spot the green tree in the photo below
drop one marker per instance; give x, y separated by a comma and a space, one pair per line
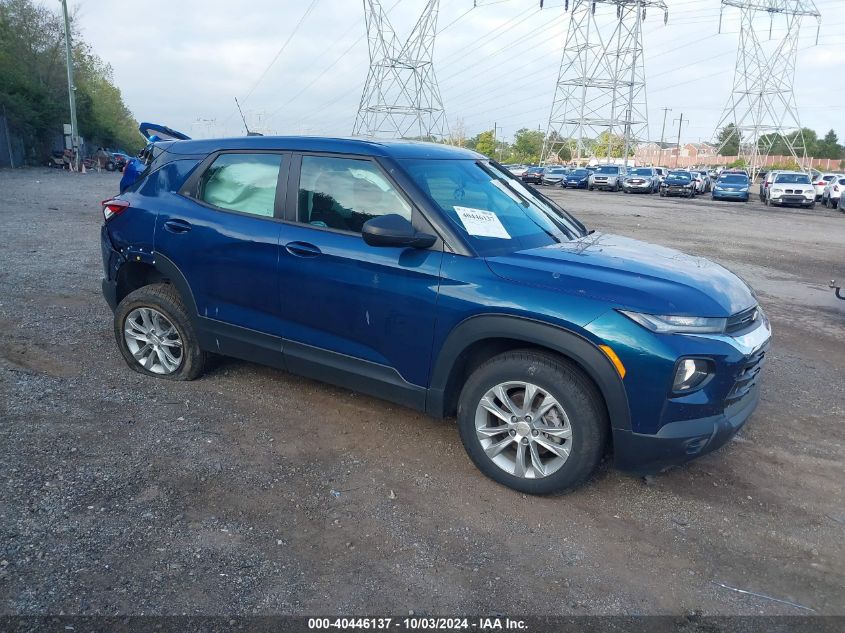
33, 83
484, 143
729, 140
612, 142
829, 146
527, 145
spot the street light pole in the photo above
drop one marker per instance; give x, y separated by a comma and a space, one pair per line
71, 90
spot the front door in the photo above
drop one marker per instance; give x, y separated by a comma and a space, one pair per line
350, 308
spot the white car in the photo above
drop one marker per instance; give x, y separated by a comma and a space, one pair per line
517, 170
791, 188
700, 181
820, 182
765, 183
832, 193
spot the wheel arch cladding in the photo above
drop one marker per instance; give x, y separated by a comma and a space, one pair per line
504, 333
134, 275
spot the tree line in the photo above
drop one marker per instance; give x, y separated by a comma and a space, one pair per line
827, 146
527, 145
34, 90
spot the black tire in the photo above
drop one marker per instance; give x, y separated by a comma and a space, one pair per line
164, 299
578, 397
110, 166
662, 193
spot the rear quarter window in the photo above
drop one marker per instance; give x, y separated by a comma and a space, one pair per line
169, 177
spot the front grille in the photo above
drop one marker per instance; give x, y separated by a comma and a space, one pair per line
742, 320
746, 379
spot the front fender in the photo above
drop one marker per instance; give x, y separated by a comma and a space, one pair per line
567, 343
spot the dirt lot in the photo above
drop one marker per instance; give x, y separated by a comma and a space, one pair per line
253, 491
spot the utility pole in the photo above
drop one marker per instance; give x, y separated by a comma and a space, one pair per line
680, 125
663, 133
71, 90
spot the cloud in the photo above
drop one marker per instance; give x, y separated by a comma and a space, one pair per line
177, 62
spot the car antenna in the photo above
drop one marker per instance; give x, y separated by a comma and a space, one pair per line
243, 118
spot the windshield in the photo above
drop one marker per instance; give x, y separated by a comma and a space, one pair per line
799, 179
579, 172
608, 169
641, 171
679, 175
496, 212
734, 179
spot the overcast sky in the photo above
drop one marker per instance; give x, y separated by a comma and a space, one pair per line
183, 62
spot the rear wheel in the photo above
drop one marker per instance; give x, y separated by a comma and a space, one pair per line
155, 335
532, 422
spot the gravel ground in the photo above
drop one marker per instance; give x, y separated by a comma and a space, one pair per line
125, 495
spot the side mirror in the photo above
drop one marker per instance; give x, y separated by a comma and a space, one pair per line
394, 230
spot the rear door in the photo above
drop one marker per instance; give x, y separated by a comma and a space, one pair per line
349, 307
222, 234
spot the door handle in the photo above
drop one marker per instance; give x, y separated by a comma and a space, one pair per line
177, 226
302, 249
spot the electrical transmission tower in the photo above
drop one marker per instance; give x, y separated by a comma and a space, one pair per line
762, 112
599, 107
401, 98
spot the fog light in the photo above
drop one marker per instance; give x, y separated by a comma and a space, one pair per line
690, 374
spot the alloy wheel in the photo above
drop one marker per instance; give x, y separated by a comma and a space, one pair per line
523, 429
153, 340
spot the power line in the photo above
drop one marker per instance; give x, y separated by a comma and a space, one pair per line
281, 50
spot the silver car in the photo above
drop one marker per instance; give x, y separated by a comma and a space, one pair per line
553, 175
641, 180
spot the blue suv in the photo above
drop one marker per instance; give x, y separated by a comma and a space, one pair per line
429, 276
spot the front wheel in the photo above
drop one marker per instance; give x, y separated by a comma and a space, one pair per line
155, 335
532, 422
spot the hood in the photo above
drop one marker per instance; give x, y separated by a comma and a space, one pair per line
629, 274
678, 180
732, 185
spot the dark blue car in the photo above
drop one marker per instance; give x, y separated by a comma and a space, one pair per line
576, 179
429, 276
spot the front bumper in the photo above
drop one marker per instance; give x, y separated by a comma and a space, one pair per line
792, 199
730, 195
642, 186
679, 442
677, 191
697, 423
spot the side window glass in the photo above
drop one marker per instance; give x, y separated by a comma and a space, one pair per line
343, 193
242, 182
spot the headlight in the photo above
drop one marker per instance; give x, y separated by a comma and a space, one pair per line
717, 188
671, 324
690, 373
777, 190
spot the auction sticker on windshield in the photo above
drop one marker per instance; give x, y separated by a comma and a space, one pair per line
481, 223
